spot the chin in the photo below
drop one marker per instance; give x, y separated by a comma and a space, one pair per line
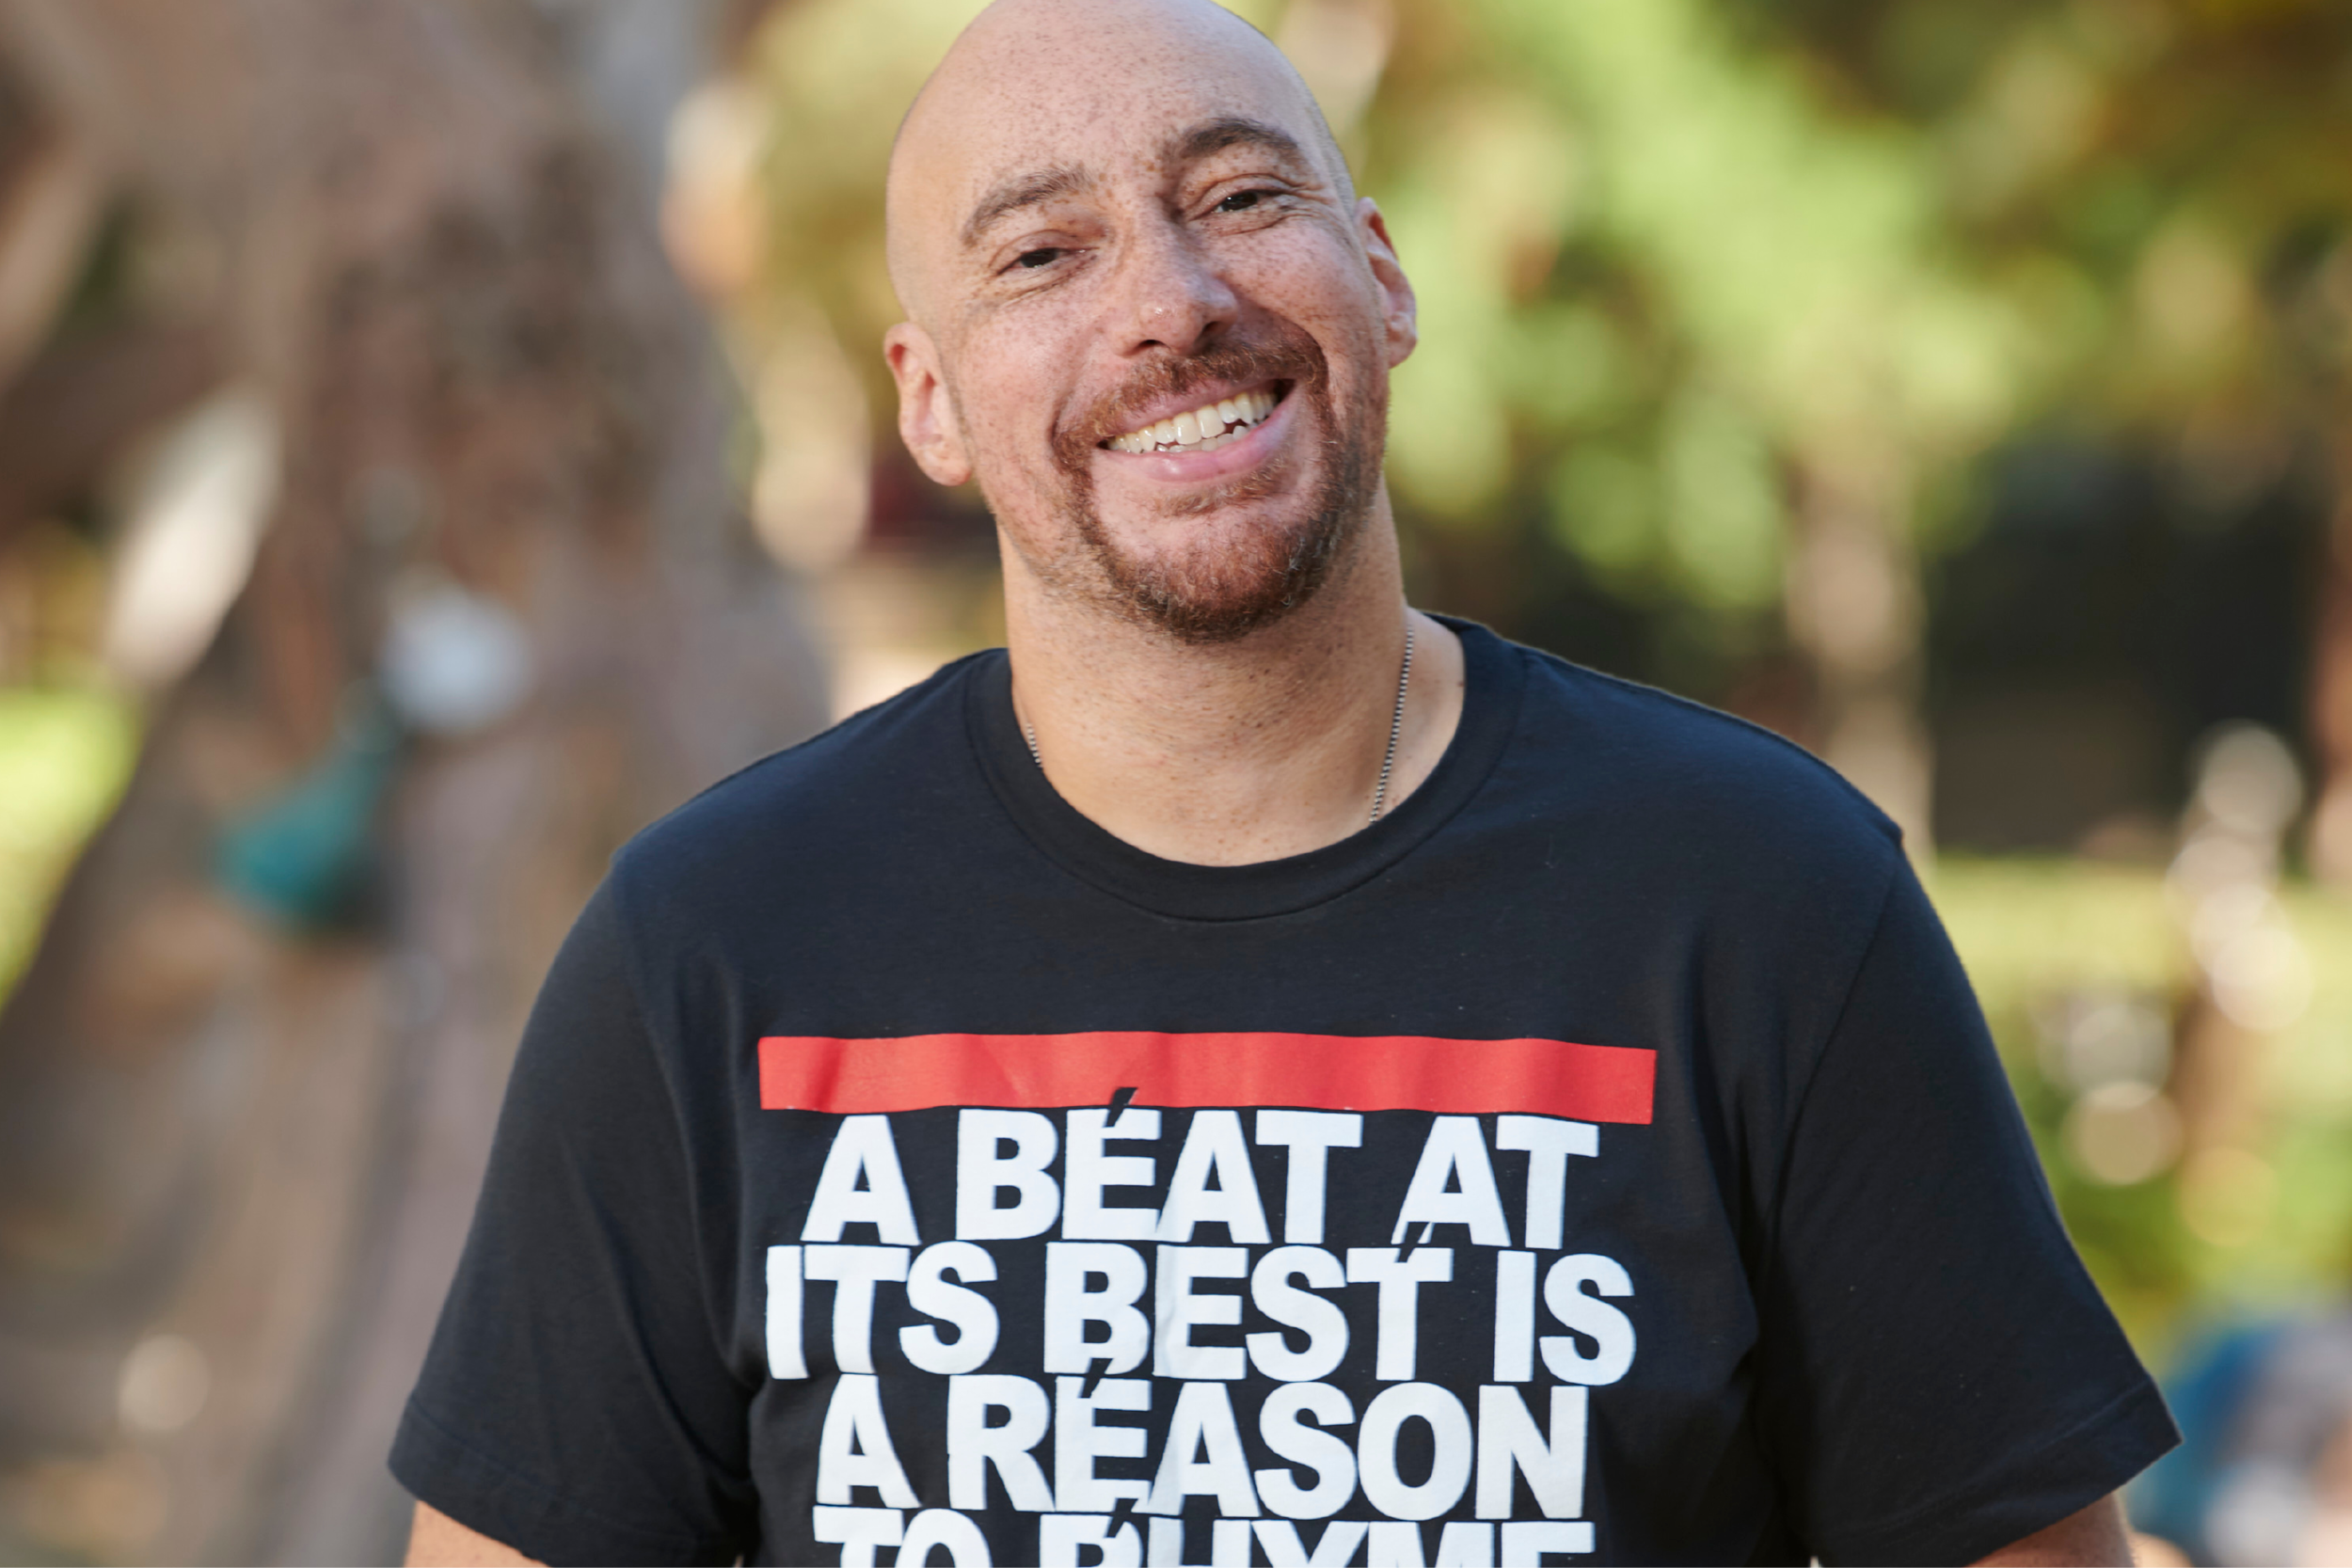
1246, 573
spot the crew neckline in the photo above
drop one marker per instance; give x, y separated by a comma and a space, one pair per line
1494, 680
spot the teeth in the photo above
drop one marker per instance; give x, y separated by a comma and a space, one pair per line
1200, 428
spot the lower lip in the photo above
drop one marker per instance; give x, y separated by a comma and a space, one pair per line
1191, 466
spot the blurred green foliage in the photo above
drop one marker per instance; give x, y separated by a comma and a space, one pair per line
2035, 933
65, 754
1675, 254
1778, 262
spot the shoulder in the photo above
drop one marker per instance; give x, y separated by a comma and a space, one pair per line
779, 825
1657, 776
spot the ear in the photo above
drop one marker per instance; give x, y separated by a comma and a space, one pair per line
1400, 315
927, 415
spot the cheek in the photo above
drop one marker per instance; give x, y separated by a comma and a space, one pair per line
1321, 285
1008, 398
1005, 393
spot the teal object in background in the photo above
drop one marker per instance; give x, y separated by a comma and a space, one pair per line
305, 860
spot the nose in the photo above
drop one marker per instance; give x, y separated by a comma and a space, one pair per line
1169, 293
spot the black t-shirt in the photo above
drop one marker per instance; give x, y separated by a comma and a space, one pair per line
1600, 1158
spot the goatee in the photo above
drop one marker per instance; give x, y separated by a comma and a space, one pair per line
1201, 598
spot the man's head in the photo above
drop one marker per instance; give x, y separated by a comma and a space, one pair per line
1108, 214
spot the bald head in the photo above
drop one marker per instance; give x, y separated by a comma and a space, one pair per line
1013, 114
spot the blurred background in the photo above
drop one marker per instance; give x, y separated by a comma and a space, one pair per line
437, 438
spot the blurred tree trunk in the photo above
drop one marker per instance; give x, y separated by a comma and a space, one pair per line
437, 274
1855, 609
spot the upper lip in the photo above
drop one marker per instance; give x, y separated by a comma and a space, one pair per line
1184, 402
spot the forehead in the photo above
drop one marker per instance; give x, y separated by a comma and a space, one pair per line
1100, 91
1102, 100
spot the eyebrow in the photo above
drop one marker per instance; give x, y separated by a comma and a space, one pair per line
1020, 191
1217, 135
1034, 189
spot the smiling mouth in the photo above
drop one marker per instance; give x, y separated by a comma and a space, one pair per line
1202, 429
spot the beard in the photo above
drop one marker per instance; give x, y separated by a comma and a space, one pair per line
1268, 567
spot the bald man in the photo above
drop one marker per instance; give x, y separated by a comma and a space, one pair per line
1249, 1073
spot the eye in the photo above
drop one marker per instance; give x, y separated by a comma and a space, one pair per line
1042, 258
1240, 201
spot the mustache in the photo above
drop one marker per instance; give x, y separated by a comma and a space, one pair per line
1297, 361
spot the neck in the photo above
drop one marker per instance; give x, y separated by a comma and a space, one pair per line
1233, 752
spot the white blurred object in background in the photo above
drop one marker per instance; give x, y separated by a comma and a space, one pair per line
195, 522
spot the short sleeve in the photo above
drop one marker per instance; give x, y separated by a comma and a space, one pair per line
1939, 1376
574, 1404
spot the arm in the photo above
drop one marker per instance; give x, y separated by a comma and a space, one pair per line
437, 1541
2095, 1538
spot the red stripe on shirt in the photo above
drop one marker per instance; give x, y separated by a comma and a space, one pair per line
1335, 1072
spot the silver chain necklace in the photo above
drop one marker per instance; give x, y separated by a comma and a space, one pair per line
1387, 760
